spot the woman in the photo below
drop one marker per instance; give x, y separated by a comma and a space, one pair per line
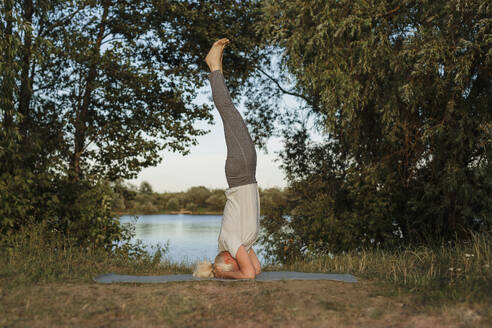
239, 229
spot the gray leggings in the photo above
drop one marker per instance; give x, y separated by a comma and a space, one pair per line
240, 166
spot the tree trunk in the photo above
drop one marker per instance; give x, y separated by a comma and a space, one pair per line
25, 94
7, 87
83, 110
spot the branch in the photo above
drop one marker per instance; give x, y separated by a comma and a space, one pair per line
391, 12
283, 90
112, 39
62, 21
95, 135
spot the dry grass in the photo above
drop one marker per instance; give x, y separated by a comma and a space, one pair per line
219, 304
450, 273
47, 282
35, 255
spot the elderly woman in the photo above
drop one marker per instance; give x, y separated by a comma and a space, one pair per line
239, 229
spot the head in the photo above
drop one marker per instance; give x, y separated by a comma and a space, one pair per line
223, 260
226, 262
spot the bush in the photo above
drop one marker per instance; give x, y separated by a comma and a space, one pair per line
216, 201
459, 271
37, 253
172, 204
406, 123
335, 207
191, 206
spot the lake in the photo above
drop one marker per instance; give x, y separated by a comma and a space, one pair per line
190, 238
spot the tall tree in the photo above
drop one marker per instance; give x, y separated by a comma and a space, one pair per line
95, 89
117, 78
402, 92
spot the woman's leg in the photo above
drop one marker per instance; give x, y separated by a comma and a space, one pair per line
240, 165
240, 168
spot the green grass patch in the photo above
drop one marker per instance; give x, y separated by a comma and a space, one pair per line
457, 272
35, 254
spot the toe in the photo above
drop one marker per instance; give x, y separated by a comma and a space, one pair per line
223, 41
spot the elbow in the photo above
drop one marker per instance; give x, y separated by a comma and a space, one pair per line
250, 274
257, 271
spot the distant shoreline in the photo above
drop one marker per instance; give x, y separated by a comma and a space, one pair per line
168, 212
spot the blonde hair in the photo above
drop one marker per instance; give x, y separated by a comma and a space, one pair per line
205, 269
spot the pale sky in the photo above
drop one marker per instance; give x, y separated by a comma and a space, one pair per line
204, 165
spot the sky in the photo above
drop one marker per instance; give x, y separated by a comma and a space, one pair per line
204, 165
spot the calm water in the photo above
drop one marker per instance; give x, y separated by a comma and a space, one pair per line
190, 237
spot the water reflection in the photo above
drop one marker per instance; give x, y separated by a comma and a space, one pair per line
190, 237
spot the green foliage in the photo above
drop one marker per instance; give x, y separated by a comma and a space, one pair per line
401, 94
92, 91
172, 204
111, 78
196, 199
190, 206
37, 253
31, 192
216, 201
84, 211
26, 187
196, 195
452, 272
81, 210
145, 188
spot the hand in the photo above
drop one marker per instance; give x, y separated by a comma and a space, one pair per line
217, 272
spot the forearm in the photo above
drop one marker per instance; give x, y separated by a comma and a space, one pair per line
235, 275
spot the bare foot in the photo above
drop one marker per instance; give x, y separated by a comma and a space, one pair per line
214, 57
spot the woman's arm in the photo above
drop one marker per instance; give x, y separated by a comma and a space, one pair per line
255, 261
246, 267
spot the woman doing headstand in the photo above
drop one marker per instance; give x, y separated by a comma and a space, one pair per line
239, 229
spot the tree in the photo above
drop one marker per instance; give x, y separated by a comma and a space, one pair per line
95, 89
401, 91
172, 204
191, 206
148, 207
216, 201
197, 196
116, 79
145, 188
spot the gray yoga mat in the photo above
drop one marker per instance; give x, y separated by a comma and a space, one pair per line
264, 276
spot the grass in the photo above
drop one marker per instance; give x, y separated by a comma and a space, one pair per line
450, 273
36, 255
47, 281
456, 272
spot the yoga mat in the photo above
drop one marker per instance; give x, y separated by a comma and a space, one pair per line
264, 276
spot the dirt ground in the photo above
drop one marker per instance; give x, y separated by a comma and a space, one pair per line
226, 304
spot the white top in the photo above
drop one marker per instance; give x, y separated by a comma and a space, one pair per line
240, 222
